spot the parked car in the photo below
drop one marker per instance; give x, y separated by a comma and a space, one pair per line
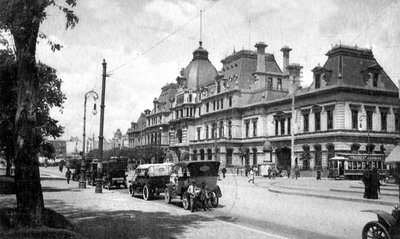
186, 172
150, 179
114, 173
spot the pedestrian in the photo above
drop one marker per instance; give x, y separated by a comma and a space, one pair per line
241, 171
251, 176
68, 175
204, 196
237, 171
60, 167
288, 172
375, 184
192, 194
318, 172
246, 171
269, 172
366, 179
297, 171
223, 172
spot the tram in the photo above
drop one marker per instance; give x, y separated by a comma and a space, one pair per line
351, 166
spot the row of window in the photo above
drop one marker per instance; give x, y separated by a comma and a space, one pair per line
269, 84
218, 104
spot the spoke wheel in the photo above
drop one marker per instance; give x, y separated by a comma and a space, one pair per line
186, 202
214, 200
167, 196
375, 230
146, 193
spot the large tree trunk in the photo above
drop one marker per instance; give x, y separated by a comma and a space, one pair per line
8, 166
27, 179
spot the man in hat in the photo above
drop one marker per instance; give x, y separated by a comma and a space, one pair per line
192, 192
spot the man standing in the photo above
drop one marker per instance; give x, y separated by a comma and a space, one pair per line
192, 192
367, 181
251, 175
223, 172
297, 171
68, 175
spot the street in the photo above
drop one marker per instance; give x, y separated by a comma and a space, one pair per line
246, 210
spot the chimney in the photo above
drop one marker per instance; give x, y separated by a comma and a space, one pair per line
260, 56
286, 50
294, 71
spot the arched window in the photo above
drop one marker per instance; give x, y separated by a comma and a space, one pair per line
370, 148
206, 131
254, 156
194, 157
190, 97
209, 154
201, 154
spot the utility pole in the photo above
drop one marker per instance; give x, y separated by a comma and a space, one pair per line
99, 179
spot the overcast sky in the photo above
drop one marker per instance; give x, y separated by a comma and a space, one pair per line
129, 35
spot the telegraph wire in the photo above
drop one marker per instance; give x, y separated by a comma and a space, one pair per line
165, 38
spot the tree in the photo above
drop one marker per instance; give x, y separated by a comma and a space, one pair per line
23, 18
50, 96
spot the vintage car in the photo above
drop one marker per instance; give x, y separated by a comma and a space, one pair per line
150, 179
114, 173
185, 172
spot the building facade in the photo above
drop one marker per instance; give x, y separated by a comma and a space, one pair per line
254, 112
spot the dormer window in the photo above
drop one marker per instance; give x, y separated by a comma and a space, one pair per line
269, 83
190, 97
279, 87
375, 77
219, 87
317, 81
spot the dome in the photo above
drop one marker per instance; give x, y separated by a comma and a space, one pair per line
200, 71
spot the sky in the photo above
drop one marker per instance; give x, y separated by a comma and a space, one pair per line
146, 42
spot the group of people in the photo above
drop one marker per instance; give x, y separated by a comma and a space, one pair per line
371, 181
198, 196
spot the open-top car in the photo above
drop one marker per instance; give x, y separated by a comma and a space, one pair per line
200, 172
150, 179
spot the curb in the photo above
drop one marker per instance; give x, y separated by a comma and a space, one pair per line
331, 197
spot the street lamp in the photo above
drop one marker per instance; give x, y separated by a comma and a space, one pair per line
82, 182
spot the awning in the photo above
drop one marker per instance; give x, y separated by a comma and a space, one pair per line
394, 156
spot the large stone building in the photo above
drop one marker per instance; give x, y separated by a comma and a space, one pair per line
251, 112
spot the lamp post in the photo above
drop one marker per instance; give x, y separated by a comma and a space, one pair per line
82, 182
99, 177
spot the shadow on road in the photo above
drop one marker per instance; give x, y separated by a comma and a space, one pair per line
55, 190
127, 224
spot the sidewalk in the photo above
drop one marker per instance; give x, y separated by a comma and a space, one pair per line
346, 190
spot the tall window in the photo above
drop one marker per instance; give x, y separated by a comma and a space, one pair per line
222, 103
213, 130
305, 122
279, 86
375, 80
247, 128
219, 87
329, 118
276, 127
221, 129
190, 97
354, 119
206, 133
179, 135
396, 121
384, 120
289, 126
198, 133
317, 81
217, 104
254, 128
282, 126
369, 120
230, 129
317, 116
207, 107
269, 83
214, 105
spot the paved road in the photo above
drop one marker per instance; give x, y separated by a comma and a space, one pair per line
246, 211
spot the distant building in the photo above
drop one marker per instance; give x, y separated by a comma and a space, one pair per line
60, 147
242, 115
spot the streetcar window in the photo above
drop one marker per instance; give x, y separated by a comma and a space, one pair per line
379, 164
354, 165
349, 165
359, 165
363, 165
374, 164
335, 164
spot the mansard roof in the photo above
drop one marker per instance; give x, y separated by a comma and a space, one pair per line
348, 66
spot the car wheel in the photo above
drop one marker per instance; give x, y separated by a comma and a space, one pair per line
131, 191
186, 202
374, 230
146, 193
167, 196
214, 200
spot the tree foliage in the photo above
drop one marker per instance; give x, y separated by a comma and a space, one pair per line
144, 154
22, 18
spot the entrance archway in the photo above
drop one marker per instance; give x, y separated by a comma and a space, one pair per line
283, 157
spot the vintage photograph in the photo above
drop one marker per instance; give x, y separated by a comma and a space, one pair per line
276, 119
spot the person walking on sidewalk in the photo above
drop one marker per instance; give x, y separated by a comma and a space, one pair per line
375, 184
297, 171
251, 175
366, 179
223, 172
288, 172
68, 175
